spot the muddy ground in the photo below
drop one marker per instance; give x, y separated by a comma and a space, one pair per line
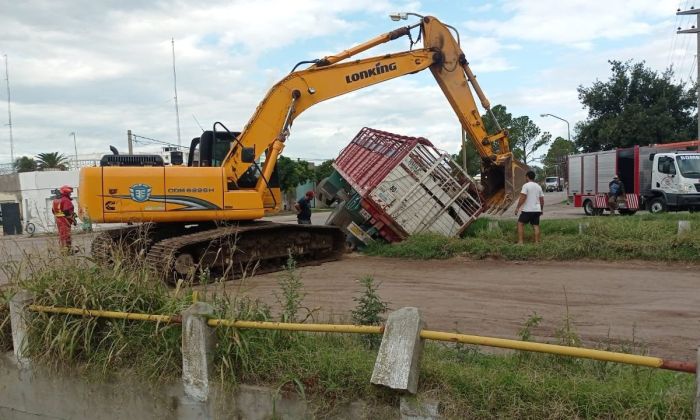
656, 305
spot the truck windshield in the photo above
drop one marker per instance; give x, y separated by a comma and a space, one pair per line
689, 165
550, 179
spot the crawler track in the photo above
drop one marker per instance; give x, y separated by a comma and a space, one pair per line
173, 252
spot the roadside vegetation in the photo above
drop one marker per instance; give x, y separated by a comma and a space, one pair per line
645, 237
5, 331
327, 370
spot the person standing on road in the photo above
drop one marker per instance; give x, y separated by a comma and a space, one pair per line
532, 203
64, 214
303, 208
616, 190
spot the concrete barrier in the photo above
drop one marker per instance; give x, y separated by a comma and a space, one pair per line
19, 322
697, 388
398, 359
683, 227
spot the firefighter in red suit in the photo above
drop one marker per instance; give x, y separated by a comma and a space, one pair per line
64, 214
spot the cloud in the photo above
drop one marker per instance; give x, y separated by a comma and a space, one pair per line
575, 23
100, 68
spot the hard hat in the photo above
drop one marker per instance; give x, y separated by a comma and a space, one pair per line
66, 189
310, 194
615, 177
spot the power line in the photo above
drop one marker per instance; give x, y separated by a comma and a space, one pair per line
148, 139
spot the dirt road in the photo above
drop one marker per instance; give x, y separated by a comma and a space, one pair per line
656, 304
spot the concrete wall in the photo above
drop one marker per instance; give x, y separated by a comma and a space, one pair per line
37, 395
36, 196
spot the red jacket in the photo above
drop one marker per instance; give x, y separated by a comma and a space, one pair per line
62, 207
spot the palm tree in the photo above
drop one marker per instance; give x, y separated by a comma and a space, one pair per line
24, 164
53, 160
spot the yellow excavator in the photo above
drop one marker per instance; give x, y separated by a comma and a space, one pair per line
204, 215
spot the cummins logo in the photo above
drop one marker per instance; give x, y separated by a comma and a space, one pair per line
378, 68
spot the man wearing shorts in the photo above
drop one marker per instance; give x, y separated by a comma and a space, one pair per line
532, 203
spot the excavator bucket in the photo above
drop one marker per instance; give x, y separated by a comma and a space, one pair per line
502, 183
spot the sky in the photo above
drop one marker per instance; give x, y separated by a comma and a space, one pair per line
100, 68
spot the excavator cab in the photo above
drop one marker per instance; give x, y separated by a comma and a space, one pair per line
211, 148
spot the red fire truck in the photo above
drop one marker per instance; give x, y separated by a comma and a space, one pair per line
661, 177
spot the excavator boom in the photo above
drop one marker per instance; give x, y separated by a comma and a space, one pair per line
227, 184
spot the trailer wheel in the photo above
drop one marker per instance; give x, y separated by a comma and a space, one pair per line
588, 208
657, 205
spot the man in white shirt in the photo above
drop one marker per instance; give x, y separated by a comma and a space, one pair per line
532, 203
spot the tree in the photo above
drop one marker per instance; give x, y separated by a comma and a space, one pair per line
526, 138
24, 164
556, 154
324, 170
292, 173
636, 105
52, 160
473, 159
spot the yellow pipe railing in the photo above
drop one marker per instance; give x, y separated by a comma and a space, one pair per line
105, 314
331, 328
606, 356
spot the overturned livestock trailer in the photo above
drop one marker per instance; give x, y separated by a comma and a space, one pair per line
390, 187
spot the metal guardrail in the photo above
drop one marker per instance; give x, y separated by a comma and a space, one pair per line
579, 352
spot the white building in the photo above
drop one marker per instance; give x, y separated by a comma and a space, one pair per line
37, 194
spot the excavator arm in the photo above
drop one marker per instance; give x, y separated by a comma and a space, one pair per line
268, 128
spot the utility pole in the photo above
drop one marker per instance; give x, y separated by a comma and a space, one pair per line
177, 109
695, 29
130, 142
464, 150
9, 112
75, 146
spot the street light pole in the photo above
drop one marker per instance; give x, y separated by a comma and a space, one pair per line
568, 134
568, 128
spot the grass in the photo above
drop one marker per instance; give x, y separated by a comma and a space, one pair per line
645, 237
328, 370
5, 331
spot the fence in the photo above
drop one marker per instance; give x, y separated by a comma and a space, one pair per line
396, 366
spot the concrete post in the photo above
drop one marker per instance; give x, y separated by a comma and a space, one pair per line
198, 342
399, 354
19, 322
697, 388
582, 228
412, 409
493, 225
683, 227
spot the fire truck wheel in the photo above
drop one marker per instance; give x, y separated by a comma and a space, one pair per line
657, 205
588, 208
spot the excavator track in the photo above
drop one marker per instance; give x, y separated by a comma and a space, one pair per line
231, 251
